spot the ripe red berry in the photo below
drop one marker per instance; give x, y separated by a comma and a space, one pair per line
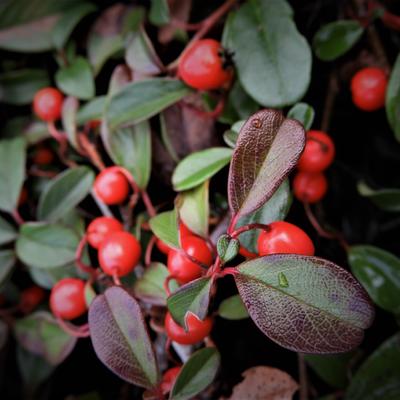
181, 267
197, 329
101, 227
163, 247
318, 154
283, 237
202, 67
67, 298
184, 231
111, 186
47, 104
309, 187
43, 156
30, 298
119, 253
169, 378
368, 88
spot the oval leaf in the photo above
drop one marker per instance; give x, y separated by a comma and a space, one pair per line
68, 115
165, 227
317, 308
159, 12
336, 38
303, 113
386, 199
200, 166
64, 192
120, 337
379, 272
267, 149
393, 99
92, 110
197, 373
233, 308
263, 37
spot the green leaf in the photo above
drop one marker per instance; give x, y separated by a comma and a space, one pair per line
275, 209
165, 227
273, 60
7, 263
231, 135
68, 21
304, 113
91, 111
336, 38
379, 272
7, 232
120, 339
194, 297
150, 287
379, 376
40, 334
200, 166
18, 87
393, 99
44, 245
321, 309
47, 278
386, 199
141, 100
194, 209
233, 308
196, 374
130, 147
12, 153
268, 148
227, 248
76, 79
68, 115
159, 12
64, 192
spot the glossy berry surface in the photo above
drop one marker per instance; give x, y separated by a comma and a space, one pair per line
169, 378
119, 253
284, 237
201, 66
368, 88
318, 153
309, 187
181, 267
99, 228
47, 104
43, 156
67, 298
30, 298
163, 247
197, 329
111, 186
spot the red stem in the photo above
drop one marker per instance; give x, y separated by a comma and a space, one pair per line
78, 255
55, 133
168, 279
149, 249
149, 205
115, 277
391, 20
73, 330
17, 217
249, 227
91, 151
232, 224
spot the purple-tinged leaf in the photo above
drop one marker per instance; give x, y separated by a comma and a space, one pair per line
267, 149
120, 337
320, 308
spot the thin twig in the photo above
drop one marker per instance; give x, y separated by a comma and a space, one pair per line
302, 377
17, 217
329, 101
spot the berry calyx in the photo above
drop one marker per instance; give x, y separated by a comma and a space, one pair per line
111, 186
179, 264
169, 378
67, 298
368, 88
197, 329
309, 187
283, 237
31, 297
318, 153
47, 104
119, 253
101, 227
202, 66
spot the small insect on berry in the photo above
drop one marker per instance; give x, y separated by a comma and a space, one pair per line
309, 187
197, 329
284, 237
111, 186
101, 227
47, 104
67, 298
368, 88
202, 65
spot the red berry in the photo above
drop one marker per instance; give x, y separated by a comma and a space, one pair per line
181, 267
318, 153
197, 329
368, 88
111, 186
47, 104
31, 298
246, 253
67, 298
119, 253
309, 187
169, 378
163, 247
283, 237
99, 228
201, 65
184, 231
43, 156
